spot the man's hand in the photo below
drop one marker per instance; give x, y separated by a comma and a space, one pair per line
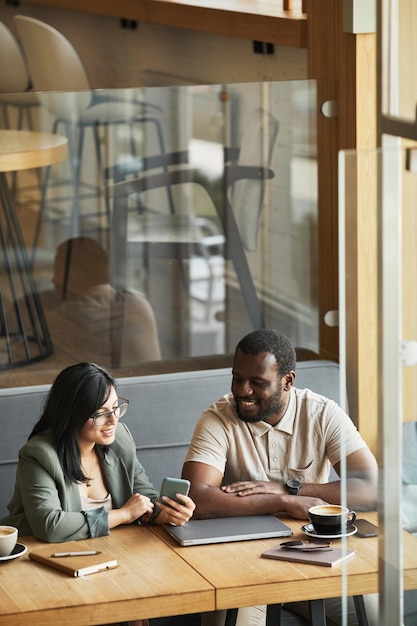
252, 487
297, 506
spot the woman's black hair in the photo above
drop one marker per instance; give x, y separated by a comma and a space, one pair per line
77, 393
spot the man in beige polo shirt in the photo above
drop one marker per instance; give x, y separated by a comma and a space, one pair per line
268, 447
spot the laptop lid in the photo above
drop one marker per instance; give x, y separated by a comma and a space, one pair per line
222, 529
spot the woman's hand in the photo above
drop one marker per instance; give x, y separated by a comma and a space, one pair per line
136, 507
173, 512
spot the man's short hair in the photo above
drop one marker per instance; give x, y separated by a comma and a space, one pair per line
274, 342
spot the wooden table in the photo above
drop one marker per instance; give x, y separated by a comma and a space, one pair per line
25, 149
151, 580
156, 578
242, 578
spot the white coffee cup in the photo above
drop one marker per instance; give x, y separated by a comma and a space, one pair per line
8, 539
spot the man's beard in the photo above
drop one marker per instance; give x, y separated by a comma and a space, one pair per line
274, 406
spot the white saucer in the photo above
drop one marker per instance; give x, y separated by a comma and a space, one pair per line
308, 529
18, 550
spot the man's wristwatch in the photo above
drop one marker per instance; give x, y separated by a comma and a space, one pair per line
293, 486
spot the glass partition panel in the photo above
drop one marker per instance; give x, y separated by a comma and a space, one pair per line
399, 58
393, 177
397, 62
183, 218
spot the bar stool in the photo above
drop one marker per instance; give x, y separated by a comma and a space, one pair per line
55, 67
24, 335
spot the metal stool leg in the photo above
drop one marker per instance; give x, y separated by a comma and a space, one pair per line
231, 617
24, 335
360, 611
317, 613
273, 614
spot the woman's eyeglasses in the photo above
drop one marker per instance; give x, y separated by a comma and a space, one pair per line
102, 417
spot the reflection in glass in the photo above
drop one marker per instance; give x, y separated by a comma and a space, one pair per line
213, 231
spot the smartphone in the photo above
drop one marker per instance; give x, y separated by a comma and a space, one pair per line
171, 486
365, 528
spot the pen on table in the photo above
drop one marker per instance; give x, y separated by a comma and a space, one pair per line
83, 553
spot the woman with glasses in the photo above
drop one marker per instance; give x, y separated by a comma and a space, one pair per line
78, 475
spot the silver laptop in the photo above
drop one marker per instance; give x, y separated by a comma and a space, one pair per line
222, 529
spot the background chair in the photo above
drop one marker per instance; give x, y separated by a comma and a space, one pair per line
55, 66
206, 272
238, 208
246, 189
14, 81
15, 94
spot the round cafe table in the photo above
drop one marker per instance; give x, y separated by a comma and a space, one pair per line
24, 336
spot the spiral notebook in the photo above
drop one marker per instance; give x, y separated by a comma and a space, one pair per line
223, 529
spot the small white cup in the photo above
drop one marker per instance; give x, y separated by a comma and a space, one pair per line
8, 539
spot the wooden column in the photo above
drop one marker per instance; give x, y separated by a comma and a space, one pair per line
344, 66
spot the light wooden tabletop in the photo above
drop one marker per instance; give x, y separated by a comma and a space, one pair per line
156, 577
151, 581
242, 577
25, 149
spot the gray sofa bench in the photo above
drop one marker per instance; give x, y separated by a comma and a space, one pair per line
162, 413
